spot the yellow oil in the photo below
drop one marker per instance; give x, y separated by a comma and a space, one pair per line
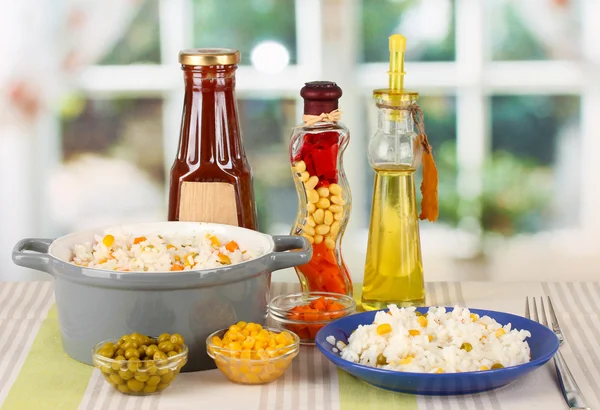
394, 268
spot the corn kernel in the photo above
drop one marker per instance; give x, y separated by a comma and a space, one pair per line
406, 360
246, 354
312, 196
323, 203
310, 207
474, 317
430, 337
328, 218
300, 166
108, 240
216, 340
335, 189
214, 241
245, 332
422, 321
318, 239
338, 200
224, 259
319, 216
304, 176
384, 328
310, 221
439, 370
338, 216
311, 183
500, 332
329, 243
234, 328
234, 346
280, 339
484, 368
335, 228
248, 343
414, 332
322, 229
323, 192
336, 208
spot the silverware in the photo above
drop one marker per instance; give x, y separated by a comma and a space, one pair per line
570, 390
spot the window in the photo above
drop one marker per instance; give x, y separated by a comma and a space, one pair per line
509, 110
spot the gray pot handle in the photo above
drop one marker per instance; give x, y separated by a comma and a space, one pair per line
38, 261
280, 259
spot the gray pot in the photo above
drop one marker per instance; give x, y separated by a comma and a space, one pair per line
95, 305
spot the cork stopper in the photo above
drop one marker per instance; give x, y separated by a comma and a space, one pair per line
320, 97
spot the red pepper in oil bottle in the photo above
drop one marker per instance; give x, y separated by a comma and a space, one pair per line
211, 180
316, 150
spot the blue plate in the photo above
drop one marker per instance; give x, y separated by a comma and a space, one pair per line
543, 344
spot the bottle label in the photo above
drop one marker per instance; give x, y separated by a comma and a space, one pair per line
208, 202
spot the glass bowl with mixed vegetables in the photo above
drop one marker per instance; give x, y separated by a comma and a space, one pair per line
306, 313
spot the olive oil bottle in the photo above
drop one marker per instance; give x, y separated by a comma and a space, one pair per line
394, 267
393, 271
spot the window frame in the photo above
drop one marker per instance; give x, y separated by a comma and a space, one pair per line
330, 52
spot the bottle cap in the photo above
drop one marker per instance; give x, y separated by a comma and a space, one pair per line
320, 97
209, 56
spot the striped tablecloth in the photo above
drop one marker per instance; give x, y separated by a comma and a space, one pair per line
35, 374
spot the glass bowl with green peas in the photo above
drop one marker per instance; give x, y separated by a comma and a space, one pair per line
141, 365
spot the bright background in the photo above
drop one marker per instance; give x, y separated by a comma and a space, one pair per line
91, 98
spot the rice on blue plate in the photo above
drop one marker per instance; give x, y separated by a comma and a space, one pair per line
438, 342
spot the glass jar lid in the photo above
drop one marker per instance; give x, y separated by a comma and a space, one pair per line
209, 56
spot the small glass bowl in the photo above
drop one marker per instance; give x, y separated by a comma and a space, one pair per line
280, 311
252, 371
140, 378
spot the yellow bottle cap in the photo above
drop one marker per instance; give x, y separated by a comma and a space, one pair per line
396, 73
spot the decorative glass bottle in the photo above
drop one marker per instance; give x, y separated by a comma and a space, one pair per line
316, 151
394, 267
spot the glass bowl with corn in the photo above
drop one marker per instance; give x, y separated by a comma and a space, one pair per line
247, 353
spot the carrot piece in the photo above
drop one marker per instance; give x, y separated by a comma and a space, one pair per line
319, 304
330, 257
232, 246
139, 239
176, 267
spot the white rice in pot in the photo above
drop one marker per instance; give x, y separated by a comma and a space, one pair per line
116, 250
438, 342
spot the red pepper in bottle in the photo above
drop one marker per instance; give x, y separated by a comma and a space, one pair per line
316, 151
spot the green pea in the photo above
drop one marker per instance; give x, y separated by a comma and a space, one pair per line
106, 369
381, 360
152, 370
135, 385
497, 366
162, 372
159, 356
106, 351
142, 377
149, 389
153, 381
177, 339
125, 374
164, 337
466, 346
150, 350
116, 379
166, 347
123, 388
130, 345
162, 386
167, 378
172, 353
142, 350
129, 353
120, 352
134, 364
116, 365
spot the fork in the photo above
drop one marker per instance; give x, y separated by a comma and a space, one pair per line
570, 390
